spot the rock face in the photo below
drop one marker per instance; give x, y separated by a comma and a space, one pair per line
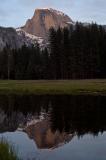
16, 38
44, 19
8, 36
29, 39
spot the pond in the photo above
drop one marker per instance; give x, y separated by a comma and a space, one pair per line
55, 127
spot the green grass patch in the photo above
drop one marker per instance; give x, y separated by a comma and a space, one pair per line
7, 152
50, 87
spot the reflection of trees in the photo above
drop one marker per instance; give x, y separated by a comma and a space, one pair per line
71, 114
80, 114
15, 111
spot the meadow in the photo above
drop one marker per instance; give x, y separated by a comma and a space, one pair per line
53, 87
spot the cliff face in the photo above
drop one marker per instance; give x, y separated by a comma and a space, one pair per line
16, 38
43, 20
8, 36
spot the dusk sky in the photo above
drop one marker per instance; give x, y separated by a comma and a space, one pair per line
15, 12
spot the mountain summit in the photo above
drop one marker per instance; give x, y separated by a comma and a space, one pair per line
44, 19
35, 30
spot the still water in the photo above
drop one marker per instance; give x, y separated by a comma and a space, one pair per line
55, 127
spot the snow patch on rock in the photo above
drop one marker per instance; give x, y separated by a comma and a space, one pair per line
29, 39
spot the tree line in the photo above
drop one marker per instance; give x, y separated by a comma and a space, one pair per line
77, 52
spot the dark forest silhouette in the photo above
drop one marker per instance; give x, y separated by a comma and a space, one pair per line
78, 52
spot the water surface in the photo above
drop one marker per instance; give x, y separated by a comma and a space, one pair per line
55, 127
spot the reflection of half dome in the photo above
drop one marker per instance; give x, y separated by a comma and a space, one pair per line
44, 137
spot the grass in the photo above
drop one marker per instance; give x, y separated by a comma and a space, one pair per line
51, 87
7, 152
